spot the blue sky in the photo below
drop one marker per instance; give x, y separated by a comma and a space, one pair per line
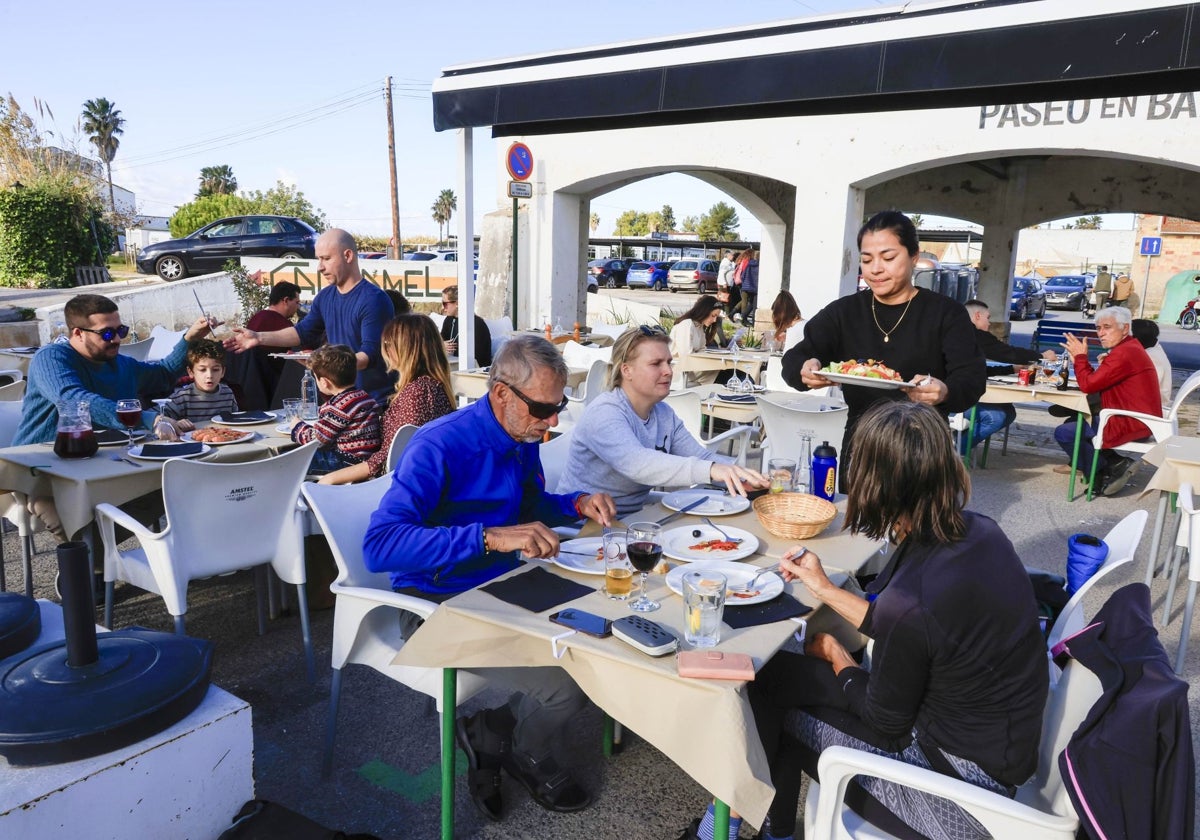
293, 91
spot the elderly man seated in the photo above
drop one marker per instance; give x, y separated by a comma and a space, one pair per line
1125, 379
467, 501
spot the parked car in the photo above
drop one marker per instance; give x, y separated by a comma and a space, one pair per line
208, 248
1027, 300
1066, 291
648, 275
692, 276
372, 255
608, 273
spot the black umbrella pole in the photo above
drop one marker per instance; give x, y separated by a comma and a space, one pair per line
79, 611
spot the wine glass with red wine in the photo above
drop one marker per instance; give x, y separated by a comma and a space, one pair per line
643, 548
129, 412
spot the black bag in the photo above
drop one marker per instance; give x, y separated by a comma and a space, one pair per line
263, 820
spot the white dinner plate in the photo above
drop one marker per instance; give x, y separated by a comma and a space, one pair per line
719, 502
677, 543
720, 351
585, 562
116, 437
866, 381
239, 420
245, 436
284, 429
736, 575
136, 452
298, 356
737, 399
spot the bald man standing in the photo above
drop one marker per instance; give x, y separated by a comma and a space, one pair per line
348, 310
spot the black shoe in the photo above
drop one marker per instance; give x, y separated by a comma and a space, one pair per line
691, 832
1119, 473
550, 785
484, 750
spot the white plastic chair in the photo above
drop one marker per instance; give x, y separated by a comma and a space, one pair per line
593, 386
500, 329
12, 505
786, 421
1190, 536
1122, 542
553, 455
366, 627
1042, 809
137, 349
399, 442
686, 405
1161, 428
13, 391
220, 518
12, 374
578, 356
164, 341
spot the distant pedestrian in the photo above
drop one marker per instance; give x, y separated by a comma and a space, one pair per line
1122, 289
725, 278
736, 299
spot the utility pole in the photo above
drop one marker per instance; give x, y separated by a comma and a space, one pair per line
398, 250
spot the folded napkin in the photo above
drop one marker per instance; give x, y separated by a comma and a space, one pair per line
537, 590
106, 436
736, 398
170, 450
241, 416
768, 612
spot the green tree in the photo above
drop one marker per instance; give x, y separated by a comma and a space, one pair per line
196, 214
443, 210
917, 220
632, 223
1088, 223
217, 180
668, 218
690, 223
49, 227
285, 200
103, 125
719, 224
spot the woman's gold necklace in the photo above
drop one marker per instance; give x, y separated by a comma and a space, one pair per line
887, 333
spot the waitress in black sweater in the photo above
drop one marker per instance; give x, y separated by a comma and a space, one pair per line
924, 336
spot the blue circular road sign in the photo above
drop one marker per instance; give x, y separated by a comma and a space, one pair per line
520, 161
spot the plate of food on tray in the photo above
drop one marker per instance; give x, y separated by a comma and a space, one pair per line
219, 436
737, 581
869, 373
704, 542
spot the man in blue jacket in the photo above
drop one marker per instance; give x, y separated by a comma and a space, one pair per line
466, 502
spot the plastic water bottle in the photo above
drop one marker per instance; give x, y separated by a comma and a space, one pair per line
308, 396
824, 471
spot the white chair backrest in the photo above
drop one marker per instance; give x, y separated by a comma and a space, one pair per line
399, 442
593, 386
136, 349
1122, 542
1071, 698
1190, 384
344, 511
686, 405
787, 420
438, 318
252, 504
613, 330
773, 378
578, 356
10, 418
553, 455
12, 374
164, 342
501, 329
13, 391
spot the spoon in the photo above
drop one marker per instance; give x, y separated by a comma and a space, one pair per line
709, 523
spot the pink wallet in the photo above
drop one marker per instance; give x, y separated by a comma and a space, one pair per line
714, 665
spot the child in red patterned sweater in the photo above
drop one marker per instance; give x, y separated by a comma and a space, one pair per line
347, 426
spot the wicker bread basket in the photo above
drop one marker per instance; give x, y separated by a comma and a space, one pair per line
796, 516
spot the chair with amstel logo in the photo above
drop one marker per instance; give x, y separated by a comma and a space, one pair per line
220, 518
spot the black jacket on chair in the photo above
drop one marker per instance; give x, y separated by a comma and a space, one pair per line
1130, 769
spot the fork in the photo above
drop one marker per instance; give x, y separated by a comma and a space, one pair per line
717, 528
126, 460
749, 585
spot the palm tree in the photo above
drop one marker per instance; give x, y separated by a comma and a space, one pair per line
102, 123
594, 221
217, 180
439, 216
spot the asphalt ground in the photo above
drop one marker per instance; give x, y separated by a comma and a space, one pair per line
386, 774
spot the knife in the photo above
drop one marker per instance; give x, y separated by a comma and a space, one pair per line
682, 510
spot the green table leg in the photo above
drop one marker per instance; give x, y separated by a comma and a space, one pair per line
449, 707
720, 819
608, 736
1075, 462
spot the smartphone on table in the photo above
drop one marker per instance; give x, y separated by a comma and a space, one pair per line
584, 622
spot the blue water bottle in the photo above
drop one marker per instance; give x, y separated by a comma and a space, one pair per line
824, 471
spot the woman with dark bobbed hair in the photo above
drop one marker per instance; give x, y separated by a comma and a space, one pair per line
958, 677
926, 337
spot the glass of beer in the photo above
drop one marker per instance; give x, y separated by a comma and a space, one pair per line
129, 412
618, 573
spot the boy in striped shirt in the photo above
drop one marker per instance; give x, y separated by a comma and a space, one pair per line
206, 395
347, 426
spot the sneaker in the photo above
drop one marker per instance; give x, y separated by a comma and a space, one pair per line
484, 750
551, 786
737, 317
1118, 474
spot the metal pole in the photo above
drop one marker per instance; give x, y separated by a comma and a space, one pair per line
514, 266
1145, 287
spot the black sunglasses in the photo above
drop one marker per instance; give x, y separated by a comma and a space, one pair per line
108, 333
540, 410
649, 331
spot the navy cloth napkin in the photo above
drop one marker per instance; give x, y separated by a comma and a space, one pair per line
777, 609
246, 416
537, 590
170, 450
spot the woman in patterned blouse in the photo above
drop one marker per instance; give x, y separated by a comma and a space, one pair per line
412, 347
